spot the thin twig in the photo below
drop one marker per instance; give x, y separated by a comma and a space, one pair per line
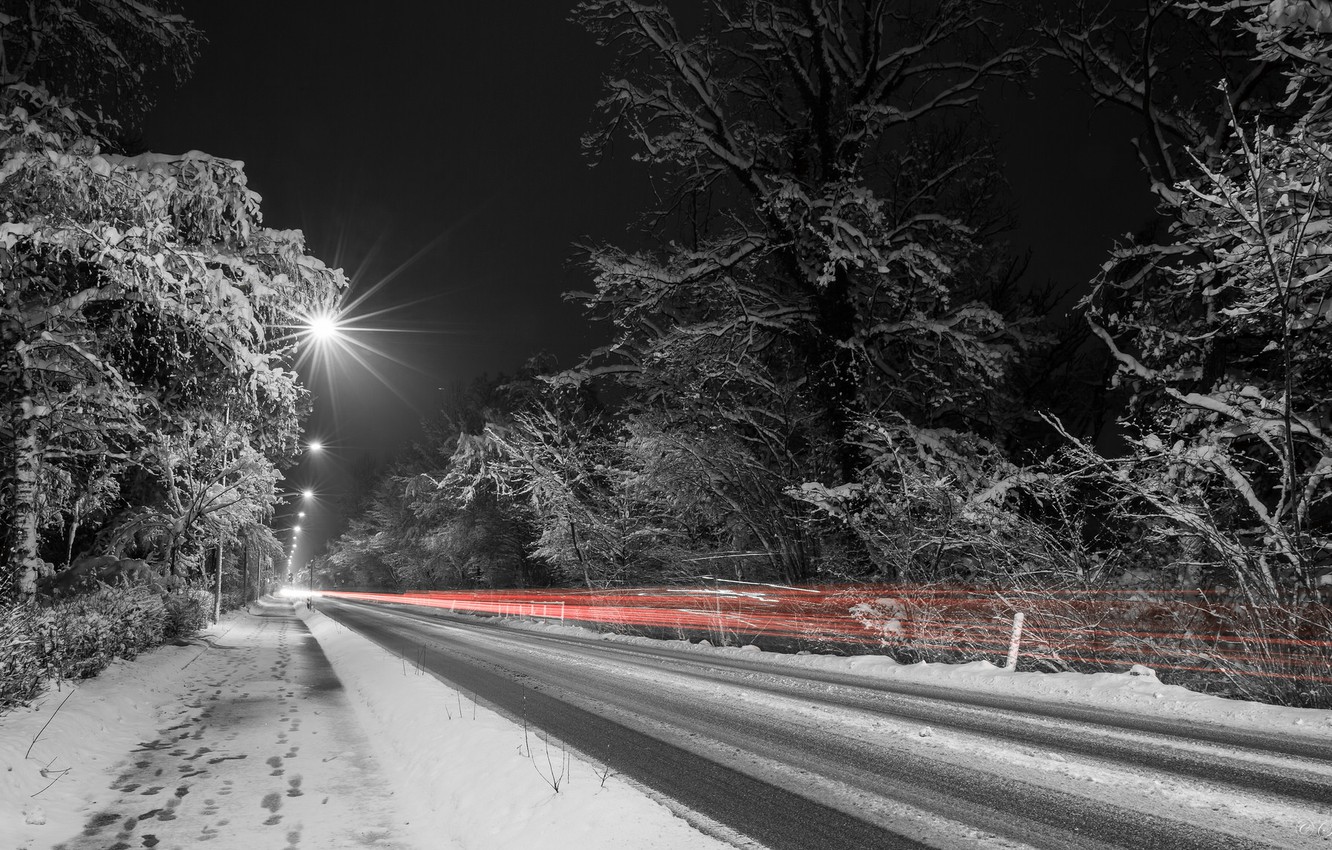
48, 723
60, 776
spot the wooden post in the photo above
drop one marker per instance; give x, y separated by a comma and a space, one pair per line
1013, 641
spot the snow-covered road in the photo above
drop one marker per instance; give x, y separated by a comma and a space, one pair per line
794, 757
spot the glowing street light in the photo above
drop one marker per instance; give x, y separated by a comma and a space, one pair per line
324, 327
315, 446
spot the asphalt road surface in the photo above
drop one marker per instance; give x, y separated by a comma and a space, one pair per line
799, 759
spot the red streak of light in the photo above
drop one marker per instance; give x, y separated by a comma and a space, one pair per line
947, 620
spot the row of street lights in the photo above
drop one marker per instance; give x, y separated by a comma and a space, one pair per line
323, 329
307, 496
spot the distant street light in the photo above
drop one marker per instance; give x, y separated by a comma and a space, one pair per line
315, 446
283, 496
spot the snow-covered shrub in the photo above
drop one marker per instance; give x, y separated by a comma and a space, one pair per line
934, 622
1210, 642
20, 659
936, 504
186, 613
79, 638
1217, 643
233, 599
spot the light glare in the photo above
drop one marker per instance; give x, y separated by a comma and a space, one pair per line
324, 328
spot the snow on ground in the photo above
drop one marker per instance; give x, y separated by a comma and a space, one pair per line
241, 736
1248, 815
58, 752
1136, 691
469, 777
234, 737
485, 780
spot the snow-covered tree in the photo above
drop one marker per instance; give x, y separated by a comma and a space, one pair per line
137, 295
95, 53
1220, 328
823, 248
1162, 61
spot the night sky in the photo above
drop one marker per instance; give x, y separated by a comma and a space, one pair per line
454, 127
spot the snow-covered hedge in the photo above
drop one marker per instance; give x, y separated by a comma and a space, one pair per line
80, 637
187, 613
20, 666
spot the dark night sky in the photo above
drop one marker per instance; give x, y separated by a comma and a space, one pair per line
410, 121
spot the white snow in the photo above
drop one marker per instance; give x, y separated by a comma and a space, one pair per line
464, 776
473, 779
485, 781
1135, 691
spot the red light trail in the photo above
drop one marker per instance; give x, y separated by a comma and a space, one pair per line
1106, 630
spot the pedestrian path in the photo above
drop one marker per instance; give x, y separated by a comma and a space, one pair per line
259, 749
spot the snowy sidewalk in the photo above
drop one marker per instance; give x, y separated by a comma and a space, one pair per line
255, 744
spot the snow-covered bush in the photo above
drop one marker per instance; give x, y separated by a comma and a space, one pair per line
21, 669
78, 638
936, 504
81, 637
186, 613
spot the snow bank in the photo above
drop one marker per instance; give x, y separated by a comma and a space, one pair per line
1136, 691
478, 778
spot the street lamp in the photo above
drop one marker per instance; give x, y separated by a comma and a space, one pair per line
324, 327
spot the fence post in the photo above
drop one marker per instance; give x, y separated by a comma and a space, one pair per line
1013, 641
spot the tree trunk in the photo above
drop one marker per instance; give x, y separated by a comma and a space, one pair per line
24, 565
245, 571
217, 599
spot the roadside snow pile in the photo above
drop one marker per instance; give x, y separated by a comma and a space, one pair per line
482, 781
